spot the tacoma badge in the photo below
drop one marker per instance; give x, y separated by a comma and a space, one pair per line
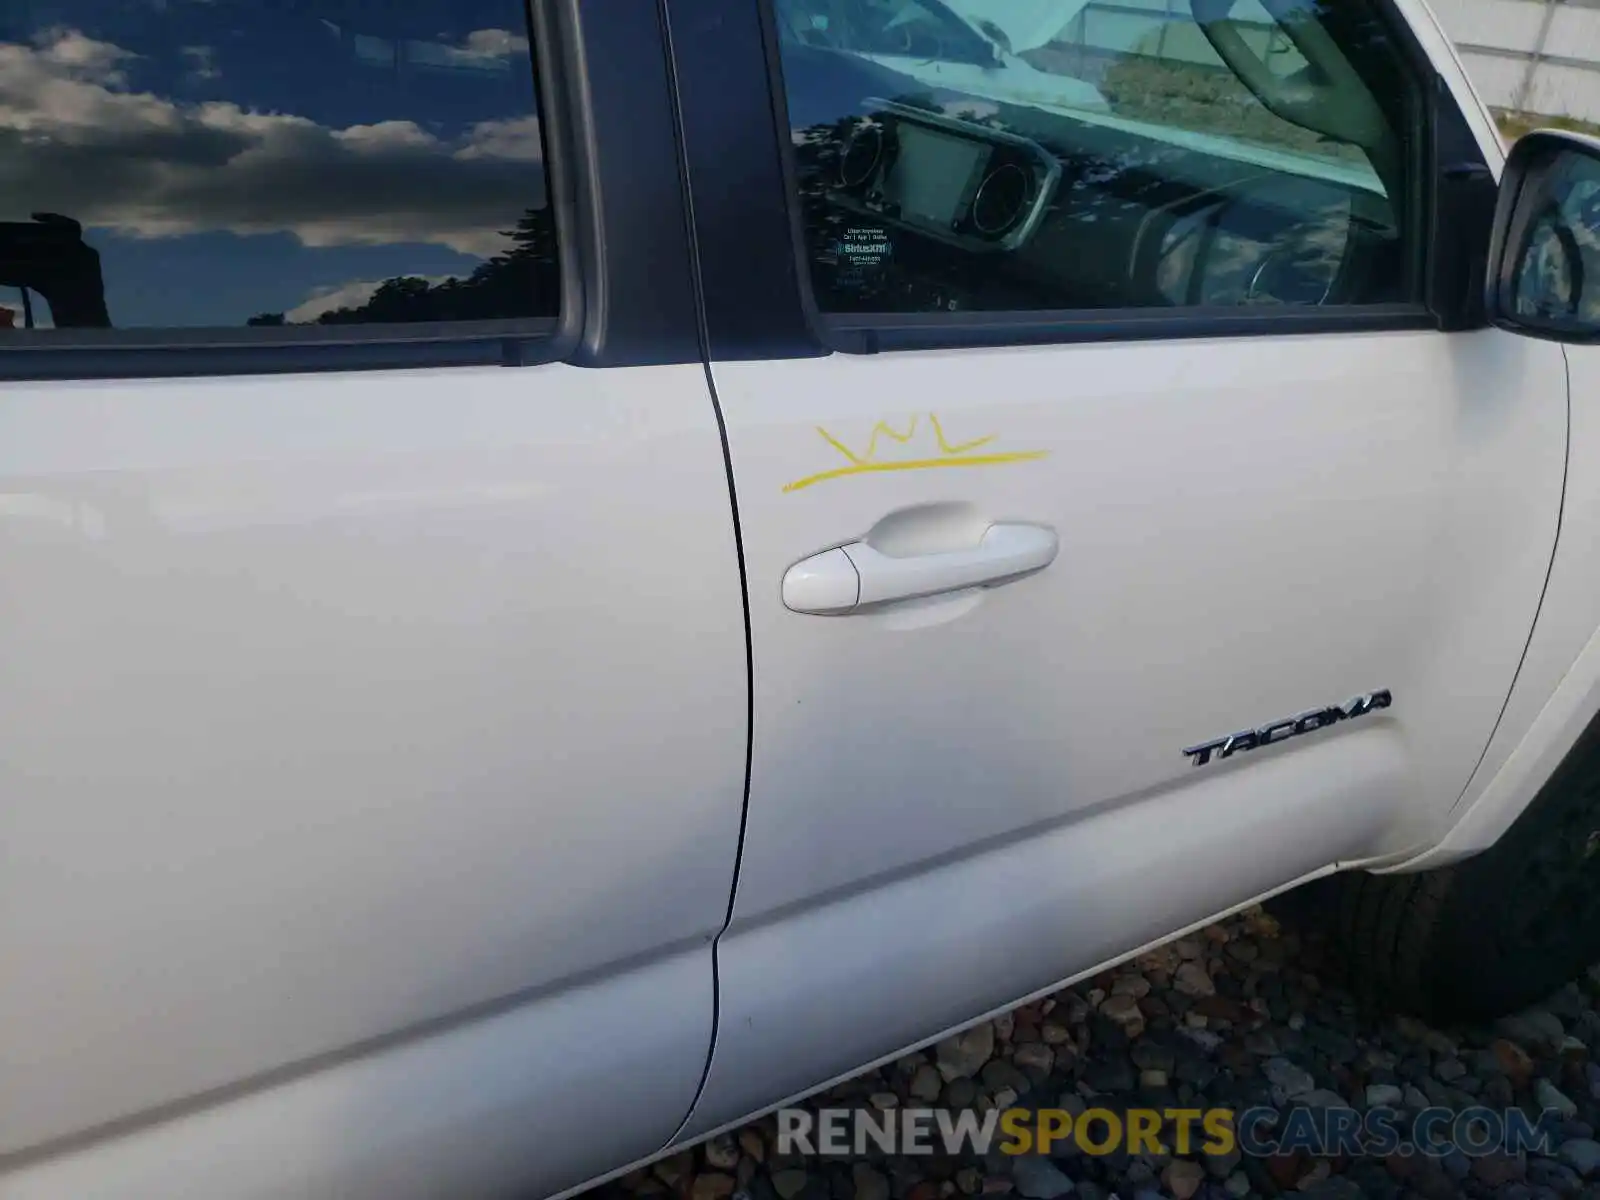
1282, 731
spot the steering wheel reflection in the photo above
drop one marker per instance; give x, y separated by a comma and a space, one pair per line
1550, 283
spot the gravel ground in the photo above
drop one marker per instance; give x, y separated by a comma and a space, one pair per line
1237, 1015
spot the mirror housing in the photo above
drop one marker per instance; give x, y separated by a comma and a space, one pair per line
1544, 249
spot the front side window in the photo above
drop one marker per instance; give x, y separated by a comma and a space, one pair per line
233, 163
994, 155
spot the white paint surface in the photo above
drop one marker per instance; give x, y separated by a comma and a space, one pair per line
1248, 528
331, 707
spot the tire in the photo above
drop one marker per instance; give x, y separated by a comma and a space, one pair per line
1491, 934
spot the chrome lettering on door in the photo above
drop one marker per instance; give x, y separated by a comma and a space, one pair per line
1289, 727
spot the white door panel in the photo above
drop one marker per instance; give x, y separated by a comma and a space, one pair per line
958, 801
466, 1112
1248, 528
936, 947
333, 706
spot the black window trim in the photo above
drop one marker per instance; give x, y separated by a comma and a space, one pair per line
871, 333
162, 353
1453, 177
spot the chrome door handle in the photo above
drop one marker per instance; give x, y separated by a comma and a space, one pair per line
855, 576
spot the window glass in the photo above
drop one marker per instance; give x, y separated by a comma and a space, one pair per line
1089, 154
205, 163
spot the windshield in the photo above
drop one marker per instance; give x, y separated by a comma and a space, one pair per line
909, 28
1026, 24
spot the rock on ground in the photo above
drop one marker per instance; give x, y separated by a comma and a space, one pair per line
964, 1055
1039, 1179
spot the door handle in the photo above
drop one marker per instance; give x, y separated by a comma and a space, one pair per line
854, 576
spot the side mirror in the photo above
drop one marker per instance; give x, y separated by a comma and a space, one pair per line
1544, 252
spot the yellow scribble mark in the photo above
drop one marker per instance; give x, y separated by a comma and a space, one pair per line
958, 455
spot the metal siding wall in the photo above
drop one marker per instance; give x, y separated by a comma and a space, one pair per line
1575, 33
1504, 24
1497, 79
1540, 56
1568, 91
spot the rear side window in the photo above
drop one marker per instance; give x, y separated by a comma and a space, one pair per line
190, 164
1021, 155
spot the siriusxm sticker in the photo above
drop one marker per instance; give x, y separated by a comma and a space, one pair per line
862, 253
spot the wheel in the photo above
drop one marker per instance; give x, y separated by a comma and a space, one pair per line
1493, 933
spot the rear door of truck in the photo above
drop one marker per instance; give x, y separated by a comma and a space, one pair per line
372, 652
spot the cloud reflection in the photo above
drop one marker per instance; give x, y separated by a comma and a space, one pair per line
74, 138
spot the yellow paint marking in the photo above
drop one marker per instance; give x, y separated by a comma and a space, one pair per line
938, 432
918, 464
958, 455
840, 446
872, 445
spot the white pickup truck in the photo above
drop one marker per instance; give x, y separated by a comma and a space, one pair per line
572, 573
